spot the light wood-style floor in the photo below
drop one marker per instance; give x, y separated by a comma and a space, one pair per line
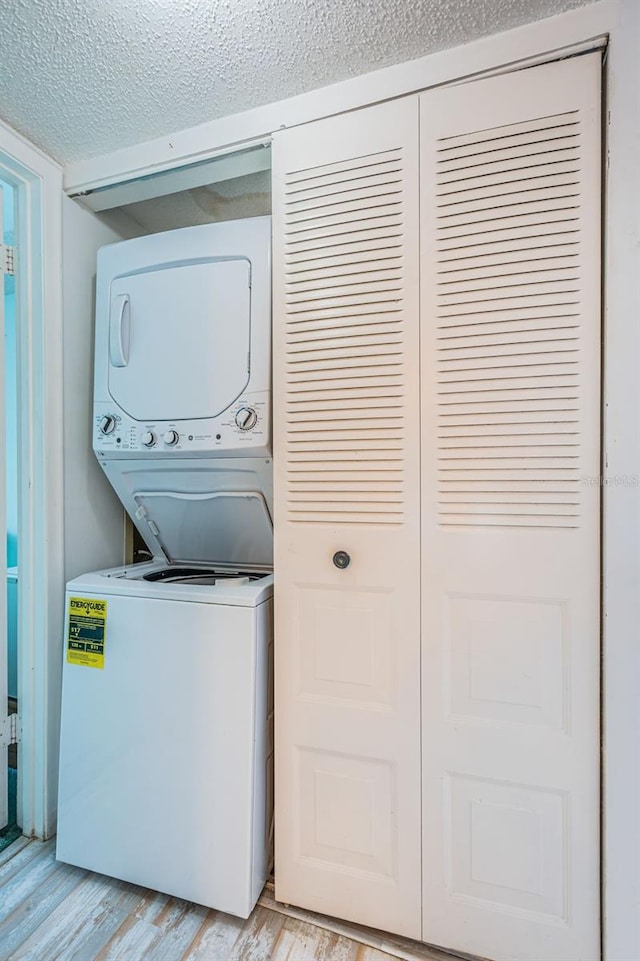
53, 912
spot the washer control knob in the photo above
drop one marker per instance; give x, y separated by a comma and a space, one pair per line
148, 438
108, 424
246, 418
171, 438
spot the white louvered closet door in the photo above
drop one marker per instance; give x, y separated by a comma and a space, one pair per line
346, 410
510, 273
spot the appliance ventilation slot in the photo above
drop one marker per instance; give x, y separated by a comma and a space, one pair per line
345, 351
508, 325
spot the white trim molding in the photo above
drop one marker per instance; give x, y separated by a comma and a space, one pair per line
621, 494
40, 476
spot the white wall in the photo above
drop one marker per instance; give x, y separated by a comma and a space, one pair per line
621, 495
93, 516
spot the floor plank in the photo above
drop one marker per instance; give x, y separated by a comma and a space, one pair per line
177, 924
51, 911
258, 937
371, 954
299, 941
12, 849
24, 856
163, 938
74, 929
20, 885
137, 933
35, 909
296, 942
334, 947
216, 937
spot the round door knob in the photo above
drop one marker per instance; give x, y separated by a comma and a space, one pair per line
171, 438
148, 438
108, 424
246, 418
341, 560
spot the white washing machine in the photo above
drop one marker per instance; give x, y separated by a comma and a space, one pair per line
166, 758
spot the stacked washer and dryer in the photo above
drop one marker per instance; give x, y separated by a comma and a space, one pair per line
166, 738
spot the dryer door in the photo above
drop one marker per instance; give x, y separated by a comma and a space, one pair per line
179, 339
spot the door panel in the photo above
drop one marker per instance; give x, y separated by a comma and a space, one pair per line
510, 274
347, 460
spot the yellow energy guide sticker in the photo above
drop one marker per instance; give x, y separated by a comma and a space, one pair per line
87, 629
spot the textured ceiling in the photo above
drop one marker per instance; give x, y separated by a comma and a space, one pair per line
84, 77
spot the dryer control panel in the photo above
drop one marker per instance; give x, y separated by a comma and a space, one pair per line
243, 428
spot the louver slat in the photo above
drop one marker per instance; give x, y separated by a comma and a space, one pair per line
345, 348
508, 337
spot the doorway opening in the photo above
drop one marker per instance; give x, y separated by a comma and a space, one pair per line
10, 829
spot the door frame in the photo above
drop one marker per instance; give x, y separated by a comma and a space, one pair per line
38, 183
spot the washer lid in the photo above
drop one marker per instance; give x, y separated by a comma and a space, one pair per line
222, 527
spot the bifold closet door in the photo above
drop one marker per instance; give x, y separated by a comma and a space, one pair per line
510, 272
346, 406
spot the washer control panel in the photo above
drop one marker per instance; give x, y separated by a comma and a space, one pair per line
244, 426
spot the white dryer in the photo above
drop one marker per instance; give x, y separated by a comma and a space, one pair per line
183, 335
167, 717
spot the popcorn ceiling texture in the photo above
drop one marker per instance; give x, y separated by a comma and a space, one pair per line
84, 77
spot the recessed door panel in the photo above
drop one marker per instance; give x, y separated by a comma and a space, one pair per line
508, 847
179, 339
348, 818
349, 651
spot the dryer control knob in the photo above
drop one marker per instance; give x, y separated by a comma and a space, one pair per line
171, 438
108, 424
246, 418
148, 439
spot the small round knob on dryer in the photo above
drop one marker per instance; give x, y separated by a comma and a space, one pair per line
108, 424
246, 418
148, 439
171, 438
